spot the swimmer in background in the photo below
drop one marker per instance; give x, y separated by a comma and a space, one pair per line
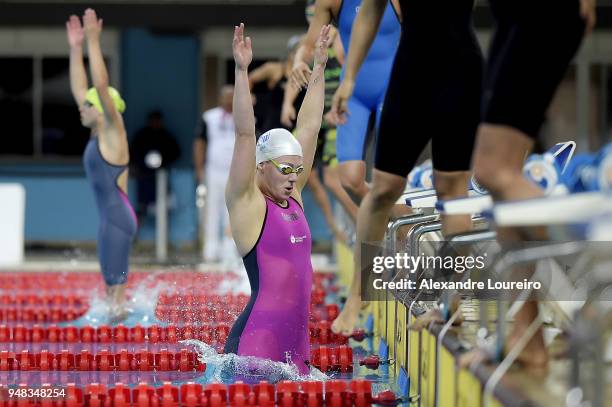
371, 81
264, 201
106, 158
326, 150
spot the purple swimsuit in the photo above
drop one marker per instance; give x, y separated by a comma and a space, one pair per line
274, 324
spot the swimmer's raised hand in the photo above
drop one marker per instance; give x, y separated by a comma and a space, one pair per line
243, 53
91, 24
288, 115
74, 31
300, 75
339, 108
330, 119
320, 54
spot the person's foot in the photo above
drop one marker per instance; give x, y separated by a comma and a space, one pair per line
474, 356
425, 319
116, 300
117, 313
347, 319
534, 355
436, 315
399, 211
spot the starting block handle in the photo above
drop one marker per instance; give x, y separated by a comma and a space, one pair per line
465, 206
413, 194
556, 210
430, 201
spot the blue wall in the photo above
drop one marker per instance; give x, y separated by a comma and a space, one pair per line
162, 72
59, 202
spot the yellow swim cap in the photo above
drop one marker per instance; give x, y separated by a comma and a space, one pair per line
93, 98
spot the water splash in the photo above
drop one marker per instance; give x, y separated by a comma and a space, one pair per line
97, 314
227, 368
140, 306
143, 302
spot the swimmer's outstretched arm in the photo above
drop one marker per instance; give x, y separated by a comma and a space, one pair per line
78, 76
263, 73
99, 74
311, 111
364, 31
241, 181
288, 110
303, 56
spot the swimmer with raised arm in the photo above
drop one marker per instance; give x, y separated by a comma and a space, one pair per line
106, 157
263, 197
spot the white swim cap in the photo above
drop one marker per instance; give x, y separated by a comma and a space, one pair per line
276, 143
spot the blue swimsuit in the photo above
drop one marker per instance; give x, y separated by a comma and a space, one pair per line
117, 226
371, 81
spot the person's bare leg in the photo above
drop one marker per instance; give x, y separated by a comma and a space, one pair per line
352, 178
499, 155
453, 185
372, 219
116, 298
331, 178
320, 195
498, 161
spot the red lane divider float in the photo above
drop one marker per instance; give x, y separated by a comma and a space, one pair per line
320, 333
205, 315
173, 309
117, 334
334, 393
144, 361
196, 281
327, 312
60, 281
238, 301
43, 300
41, 315
196, 315
326, 359
374, 362
336, 359
83, 278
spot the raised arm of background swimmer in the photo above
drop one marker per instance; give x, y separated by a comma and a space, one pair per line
99, 75
288, 111
301, 71
311, 111
241, 181
364, 31
263, 73
78, 76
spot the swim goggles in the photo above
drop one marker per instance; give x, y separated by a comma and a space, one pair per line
286, 169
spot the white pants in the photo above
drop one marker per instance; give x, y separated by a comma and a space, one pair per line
216, 217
